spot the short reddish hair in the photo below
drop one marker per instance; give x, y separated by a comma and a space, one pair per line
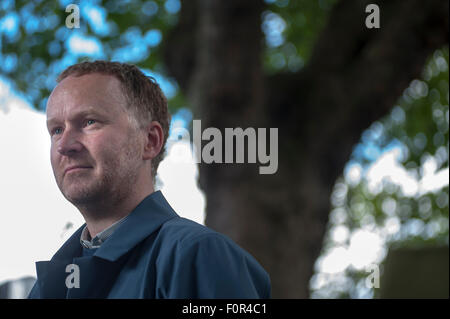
145, 98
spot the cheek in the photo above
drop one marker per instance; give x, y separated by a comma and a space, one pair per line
96, 147
53, 158
120, 155
106, 155
112, 151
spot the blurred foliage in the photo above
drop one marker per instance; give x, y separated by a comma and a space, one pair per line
35, 44
417, 131
291, 29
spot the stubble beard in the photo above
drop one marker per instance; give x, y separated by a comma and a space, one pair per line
114, 183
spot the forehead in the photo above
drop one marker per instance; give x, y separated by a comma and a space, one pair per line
90, 92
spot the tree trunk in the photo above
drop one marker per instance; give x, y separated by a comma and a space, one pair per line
353, 78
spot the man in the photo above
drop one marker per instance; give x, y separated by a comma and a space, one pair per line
108, 125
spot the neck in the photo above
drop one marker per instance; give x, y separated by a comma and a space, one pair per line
102, 214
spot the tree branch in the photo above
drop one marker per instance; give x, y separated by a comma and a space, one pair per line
356, 74
179, 49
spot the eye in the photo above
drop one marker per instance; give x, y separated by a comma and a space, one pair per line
90, 122
57, 130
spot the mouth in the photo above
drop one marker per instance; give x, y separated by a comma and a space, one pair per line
74, 169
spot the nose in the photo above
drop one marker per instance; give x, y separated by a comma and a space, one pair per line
69, 143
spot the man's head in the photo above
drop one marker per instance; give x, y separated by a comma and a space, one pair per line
111, 119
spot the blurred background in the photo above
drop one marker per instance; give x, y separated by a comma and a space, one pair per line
359, 205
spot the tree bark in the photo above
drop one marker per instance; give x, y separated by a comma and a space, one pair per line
353, 78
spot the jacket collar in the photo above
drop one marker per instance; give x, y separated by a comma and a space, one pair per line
146, 218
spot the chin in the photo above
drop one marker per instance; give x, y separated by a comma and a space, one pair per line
81, 195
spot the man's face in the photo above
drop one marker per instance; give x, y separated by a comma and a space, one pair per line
95, 150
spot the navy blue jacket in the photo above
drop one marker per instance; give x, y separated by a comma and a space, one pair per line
155, 254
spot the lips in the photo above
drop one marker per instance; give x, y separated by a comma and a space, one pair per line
75, 168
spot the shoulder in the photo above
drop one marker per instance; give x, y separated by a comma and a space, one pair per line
220, 267
185, 235
185, 232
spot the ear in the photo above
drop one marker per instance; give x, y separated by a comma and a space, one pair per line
153, 140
